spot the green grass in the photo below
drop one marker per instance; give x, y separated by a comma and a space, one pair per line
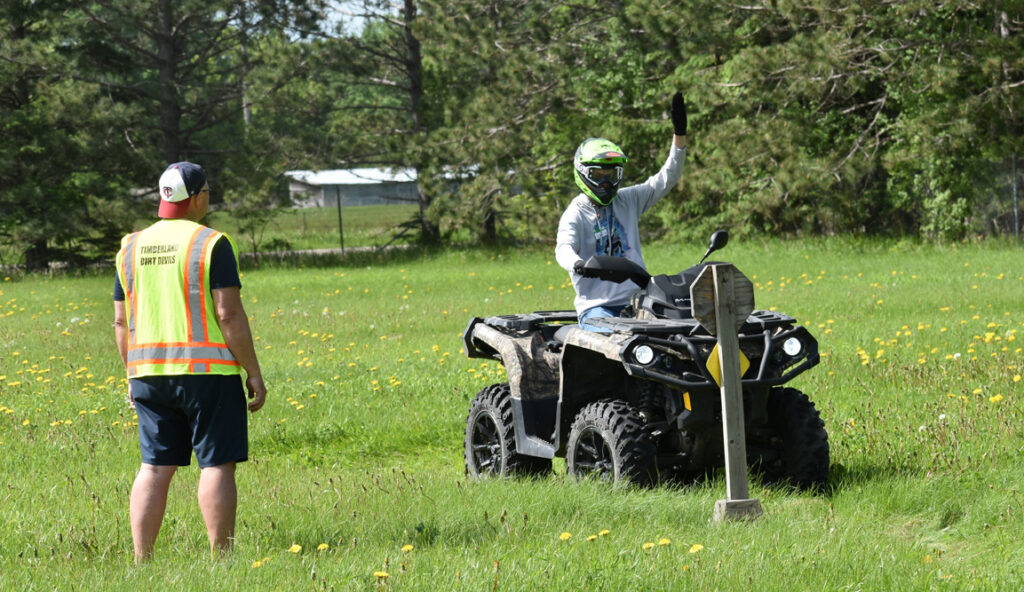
298, 229
360, 444
317, 228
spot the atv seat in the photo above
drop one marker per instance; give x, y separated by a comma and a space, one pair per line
563, 331
555, 335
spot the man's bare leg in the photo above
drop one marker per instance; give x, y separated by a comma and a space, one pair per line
147, 505
218, 500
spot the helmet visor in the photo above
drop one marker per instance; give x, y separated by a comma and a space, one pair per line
604, 174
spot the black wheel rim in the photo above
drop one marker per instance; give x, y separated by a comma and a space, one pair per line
592, 456
486, 445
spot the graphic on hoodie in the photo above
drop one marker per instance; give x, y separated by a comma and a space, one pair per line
613, 242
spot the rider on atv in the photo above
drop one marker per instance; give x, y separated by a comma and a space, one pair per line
604, 220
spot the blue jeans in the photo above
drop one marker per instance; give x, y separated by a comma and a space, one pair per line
599, 312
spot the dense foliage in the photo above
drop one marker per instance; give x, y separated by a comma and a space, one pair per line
818, 117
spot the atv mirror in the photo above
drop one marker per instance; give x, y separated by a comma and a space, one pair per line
718, 240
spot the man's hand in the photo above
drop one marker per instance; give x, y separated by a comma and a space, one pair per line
679, 114
257, 392
578, 268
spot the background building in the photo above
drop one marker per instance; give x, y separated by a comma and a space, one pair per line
354, 187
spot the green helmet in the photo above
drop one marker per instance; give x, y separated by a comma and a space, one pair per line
598, 163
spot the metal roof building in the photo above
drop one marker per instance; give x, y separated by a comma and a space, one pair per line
353, 187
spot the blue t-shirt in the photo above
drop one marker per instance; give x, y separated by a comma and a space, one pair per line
223, 270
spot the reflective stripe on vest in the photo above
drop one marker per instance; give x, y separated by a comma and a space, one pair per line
195, 301
154, 354
128, 264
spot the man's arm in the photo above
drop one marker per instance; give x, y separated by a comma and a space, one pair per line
121, 337
121, 330
234, 324
567, 241
643, 196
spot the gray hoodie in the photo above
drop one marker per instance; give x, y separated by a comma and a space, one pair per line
588, 229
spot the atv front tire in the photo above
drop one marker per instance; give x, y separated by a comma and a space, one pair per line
490, 438
610, 441
801, 442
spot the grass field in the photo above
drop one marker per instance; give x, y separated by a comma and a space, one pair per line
317, 228
356, 479
292, 229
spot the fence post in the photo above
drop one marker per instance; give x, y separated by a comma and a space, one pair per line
341, 229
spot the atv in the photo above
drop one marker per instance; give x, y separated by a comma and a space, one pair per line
639, 403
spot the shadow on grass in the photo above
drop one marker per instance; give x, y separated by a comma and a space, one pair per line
842, 477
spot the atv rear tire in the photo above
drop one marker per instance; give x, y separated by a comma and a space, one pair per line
490, 438
801, 443
610, 440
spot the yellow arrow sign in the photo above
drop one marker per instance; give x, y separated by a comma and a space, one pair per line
716, 370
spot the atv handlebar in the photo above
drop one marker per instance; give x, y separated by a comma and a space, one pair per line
615, 269
620, 269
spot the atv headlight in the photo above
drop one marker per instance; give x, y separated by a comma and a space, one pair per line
792, 347
643, 355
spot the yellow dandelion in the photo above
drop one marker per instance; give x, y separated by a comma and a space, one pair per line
26, 422
322, 547
996, 398
257, 563
407, 548
296, 548
604, 532
686, 568
664, 541
696, 548
381, 575
592, 537
565, 536
647, 546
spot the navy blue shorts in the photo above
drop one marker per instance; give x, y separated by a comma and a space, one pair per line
205, 413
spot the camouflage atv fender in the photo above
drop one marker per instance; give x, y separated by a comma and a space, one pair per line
532, 370
531, 366
592, 369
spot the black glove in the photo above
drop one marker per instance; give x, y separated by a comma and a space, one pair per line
679, 114
577, 268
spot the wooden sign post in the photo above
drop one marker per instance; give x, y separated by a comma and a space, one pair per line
722, 298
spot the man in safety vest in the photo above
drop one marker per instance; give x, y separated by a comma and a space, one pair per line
184, 338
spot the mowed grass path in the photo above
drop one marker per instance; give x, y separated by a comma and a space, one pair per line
356, 464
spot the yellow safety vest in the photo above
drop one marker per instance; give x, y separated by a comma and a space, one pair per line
172, 327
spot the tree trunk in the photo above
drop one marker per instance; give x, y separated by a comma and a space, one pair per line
170, 111
37, 256
430, 233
